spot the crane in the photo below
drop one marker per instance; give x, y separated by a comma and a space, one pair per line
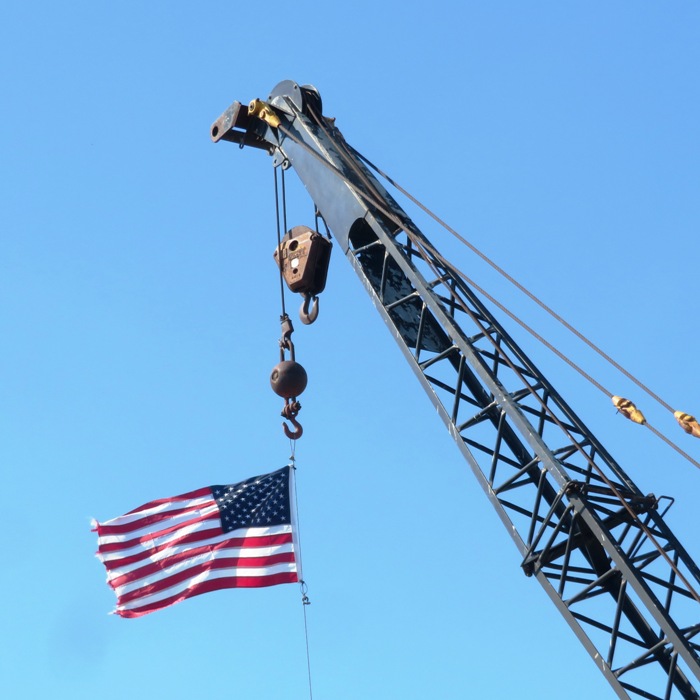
598, 546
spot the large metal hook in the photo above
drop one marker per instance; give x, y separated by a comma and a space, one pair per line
298, 431
289, 412
307, 317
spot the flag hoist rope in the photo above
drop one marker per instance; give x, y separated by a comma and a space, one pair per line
305, 602
424, 247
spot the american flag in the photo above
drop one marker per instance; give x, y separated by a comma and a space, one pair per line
233, 536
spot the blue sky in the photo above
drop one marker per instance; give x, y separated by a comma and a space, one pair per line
139, 306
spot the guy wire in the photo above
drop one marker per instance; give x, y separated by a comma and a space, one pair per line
514, 282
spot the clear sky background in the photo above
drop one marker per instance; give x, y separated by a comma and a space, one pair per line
139, 311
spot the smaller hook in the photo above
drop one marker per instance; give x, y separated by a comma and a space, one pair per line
296, 433
289, 412
307, 317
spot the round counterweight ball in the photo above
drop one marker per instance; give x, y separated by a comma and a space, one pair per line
288, 379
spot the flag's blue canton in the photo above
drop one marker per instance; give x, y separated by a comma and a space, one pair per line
259, 502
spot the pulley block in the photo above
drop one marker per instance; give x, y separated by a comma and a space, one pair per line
303, 256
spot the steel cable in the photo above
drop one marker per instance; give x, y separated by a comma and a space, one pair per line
515, 283
542, 305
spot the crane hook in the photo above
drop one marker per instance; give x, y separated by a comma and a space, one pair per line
296, 433
308, 317
289, 412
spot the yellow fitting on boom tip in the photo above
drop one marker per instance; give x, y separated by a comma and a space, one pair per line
261, 110
628, 410
688, 423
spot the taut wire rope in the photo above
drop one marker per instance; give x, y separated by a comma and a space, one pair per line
542, 305
610, 484
515, 283
566, 359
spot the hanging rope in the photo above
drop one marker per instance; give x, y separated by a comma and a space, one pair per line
305, 602
288, 378
292, 406
279, 234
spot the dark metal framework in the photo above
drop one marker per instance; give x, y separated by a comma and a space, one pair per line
598, 546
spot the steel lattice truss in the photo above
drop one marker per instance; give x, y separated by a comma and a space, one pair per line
599, 547
591, 538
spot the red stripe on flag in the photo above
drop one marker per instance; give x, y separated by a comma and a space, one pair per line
198, 493
168, 581
174, 559
264, 541
215, 585
151, 519
145, 539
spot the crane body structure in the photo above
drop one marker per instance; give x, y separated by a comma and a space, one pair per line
595, 542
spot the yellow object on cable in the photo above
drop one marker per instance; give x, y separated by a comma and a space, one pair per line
628, 410
688, 423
